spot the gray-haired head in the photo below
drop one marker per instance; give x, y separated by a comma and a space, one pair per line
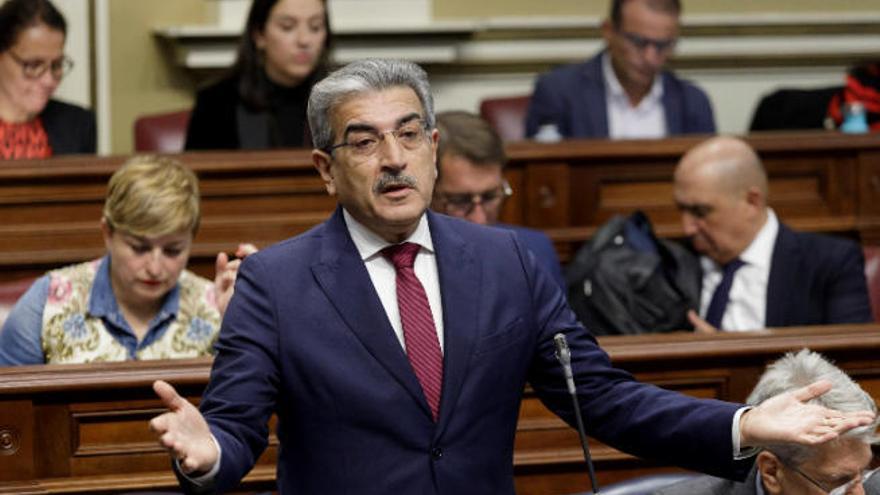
361, 77
794, 371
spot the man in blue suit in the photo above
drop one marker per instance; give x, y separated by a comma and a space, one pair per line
756, 272
394, 374
624, 91
471, 185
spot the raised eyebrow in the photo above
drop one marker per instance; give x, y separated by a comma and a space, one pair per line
358, 127
406, 119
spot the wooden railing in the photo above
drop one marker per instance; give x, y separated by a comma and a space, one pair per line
818, 182
83, 428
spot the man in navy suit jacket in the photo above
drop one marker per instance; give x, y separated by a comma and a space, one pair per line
624, 92
471, 184
315, 333
786, 278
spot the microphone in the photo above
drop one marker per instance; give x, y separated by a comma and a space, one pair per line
563, 355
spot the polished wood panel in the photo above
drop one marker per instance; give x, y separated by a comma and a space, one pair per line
83, 428
820, 181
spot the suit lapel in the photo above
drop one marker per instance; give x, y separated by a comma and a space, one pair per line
594, 108
344, 279
460, 290
783, 268
673, 106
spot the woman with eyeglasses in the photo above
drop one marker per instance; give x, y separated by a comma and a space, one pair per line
261, 103
32, 64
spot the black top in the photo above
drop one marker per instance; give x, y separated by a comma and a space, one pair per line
71, 129
220, 120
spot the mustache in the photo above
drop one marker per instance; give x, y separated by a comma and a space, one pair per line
388, 180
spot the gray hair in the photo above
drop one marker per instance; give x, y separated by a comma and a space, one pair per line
361, 77
794, 371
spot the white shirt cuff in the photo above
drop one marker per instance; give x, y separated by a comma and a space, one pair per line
211, 474
738, 452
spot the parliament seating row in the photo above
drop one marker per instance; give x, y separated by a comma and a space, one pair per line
83, 428
821, 182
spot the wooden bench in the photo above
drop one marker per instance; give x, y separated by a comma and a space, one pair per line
823, 182
83, 428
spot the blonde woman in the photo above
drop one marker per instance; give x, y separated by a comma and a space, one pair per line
138, 301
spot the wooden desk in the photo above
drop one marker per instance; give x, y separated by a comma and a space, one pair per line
83, 428
818, 182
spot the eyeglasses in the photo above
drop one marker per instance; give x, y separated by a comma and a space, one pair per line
365, 143
842, 489
463, 204
640, 42
35, 68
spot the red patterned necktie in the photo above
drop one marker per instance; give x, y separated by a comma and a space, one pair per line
419, 334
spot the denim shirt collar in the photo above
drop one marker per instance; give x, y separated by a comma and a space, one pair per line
103, 304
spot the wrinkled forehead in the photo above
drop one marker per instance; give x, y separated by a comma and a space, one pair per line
382, 109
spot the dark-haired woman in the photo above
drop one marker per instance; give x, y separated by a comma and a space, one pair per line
32, 63
262, 102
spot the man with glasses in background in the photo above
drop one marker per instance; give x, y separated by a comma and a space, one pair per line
624, 92
471, 185
845, 466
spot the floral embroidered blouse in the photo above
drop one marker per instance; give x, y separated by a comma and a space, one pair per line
70, 315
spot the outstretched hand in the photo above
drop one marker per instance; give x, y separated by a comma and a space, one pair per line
787, 418
183, 432
225, 271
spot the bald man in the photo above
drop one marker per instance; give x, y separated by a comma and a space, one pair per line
756, 272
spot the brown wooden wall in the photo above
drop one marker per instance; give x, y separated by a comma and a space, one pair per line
50, 209
83, 428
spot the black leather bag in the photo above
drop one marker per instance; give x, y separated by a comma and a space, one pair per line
627, 281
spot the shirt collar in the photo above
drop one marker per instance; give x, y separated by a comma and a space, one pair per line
759, 252
615, 90
369, 244
102, 301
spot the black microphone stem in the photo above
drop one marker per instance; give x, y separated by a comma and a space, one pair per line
584, 445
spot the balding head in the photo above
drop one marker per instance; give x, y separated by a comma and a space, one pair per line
728, 162
721, 190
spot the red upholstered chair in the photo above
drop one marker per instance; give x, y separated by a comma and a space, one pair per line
872, 275
162, 132
507, 116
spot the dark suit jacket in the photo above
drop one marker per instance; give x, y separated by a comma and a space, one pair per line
816, 280
71, 129
573, 98
541, 246
220, 120
709, 485
306, 337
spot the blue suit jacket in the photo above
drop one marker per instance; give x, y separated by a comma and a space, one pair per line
542, 247
816, 280
573, 98
306, 337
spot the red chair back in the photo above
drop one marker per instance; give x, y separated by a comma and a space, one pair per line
872, 276
163, 133
507, 116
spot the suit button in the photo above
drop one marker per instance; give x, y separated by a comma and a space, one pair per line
436, 453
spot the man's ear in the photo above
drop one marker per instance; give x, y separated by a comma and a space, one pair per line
770, 468
756, 198
323, 163
435, 140
607, 30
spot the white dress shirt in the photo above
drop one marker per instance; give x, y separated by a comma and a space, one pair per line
747, 303
384, 277
645, 120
